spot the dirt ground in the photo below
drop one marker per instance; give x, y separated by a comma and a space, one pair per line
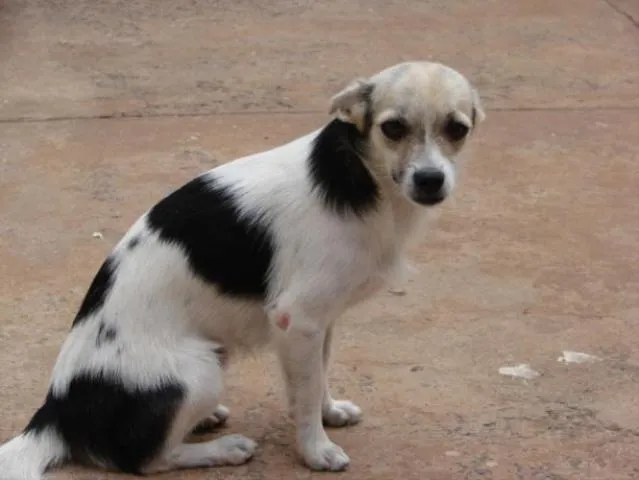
107, 105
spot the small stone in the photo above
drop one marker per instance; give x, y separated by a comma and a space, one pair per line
568, 356
400, 292
491, 464
98, 235
452, 453
522, 370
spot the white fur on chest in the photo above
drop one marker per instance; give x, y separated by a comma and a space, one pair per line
345, 259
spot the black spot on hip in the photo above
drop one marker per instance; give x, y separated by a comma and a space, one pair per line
106, 334
98, 418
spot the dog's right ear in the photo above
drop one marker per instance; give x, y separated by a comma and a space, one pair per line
352, 104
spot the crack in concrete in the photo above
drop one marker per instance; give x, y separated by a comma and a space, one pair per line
124, 115
622, 12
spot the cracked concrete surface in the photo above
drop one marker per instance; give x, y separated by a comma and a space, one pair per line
107, 105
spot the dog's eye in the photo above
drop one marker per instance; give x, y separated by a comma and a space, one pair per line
455, 131
394, 129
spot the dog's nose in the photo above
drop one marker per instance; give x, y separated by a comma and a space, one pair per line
429, 180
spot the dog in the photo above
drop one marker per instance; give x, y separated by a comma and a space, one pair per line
267, 250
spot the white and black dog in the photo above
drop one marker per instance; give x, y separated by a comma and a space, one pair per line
267, 249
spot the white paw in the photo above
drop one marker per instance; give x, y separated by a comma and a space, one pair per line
341, 413
326, 456
235, 449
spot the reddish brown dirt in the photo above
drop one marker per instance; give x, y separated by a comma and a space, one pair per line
538, 253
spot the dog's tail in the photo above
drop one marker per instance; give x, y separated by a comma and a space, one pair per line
29, 455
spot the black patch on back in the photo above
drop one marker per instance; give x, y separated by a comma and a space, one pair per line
99, 419
338, 171
98, 291
106, 334
230, 252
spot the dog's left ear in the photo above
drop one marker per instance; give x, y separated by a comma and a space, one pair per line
352, 104
478, 110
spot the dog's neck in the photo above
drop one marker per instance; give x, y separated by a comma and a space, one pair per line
407, 216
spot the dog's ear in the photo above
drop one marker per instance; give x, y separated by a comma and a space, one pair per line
353, 103
478, 110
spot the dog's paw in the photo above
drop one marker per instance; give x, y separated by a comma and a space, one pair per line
326, 456
341, 413
234, 450
217, 420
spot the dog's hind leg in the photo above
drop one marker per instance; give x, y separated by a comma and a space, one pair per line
221, 413
202, 377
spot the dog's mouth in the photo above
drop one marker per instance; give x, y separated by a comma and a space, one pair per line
428, 200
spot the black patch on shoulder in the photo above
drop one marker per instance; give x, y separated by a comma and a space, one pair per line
134, 242
230, 252
338, 171
106, 334
98, 291
98, 419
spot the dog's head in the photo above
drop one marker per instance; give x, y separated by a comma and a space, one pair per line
416, 118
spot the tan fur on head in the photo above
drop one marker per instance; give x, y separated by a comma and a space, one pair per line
416, 118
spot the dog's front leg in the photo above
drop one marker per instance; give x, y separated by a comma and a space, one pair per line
300, 349
336, 413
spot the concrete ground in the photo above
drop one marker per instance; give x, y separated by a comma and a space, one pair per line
107, 105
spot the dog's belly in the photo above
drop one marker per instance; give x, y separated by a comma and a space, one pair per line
235, 324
